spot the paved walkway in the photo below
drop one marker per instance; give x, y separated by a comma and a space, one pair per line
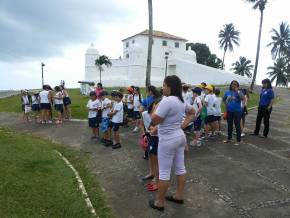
250, 180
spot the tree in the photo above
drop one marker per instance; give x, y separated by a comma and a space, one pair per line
258, 4
100, 62
280, 41
279, 72
204, 55
243, 67
228, 38
150, 43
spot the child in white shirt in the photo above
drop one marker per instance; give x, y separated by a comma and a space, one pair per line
137, 100
117, 119
210, 121
106, 105
93, 107
218, 110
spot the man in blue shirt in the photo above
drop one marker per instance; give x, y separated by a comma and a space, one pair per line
265, 108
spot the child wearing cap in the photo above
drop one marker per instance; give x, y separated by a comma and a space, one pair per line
26, 105
106, 105
58, 104
35, 100
117, 119
197, 104
129, 101
137, 101
93, 106
209, 101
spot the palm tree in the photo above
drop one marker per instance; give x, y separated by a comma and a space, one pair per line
279, 72
228, 37
150, 43
243, 67
100, 62
258, 4
280, 41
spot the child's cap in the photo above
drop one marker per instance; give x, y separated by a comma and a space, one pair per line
130, 89
93, 93
209, 87
197, 90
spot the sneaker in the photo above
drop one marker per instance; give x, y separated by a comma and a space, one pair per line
108, 143
116, 146
237, 143
243, 134
49, 121
135, 129
262, 136
227, 141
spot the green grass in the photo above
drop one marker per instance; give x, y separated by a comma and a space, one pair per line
79, 102
35, 181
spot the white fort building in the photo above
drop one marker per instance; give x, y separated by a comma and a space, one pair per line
131, 68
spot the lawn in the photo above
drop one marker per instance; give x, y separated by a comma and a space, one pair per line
79, 102
35, 181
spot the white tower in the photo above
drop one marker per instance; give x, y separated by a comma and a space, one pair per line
90, 69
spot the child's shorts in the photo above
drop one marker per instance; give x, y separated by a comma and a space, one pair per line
153, 145
115, 126
209, 119
105, 124
217, 118
130, 113
35, 107
136, 115
197, 124
58, 107
66, 101
93, 122
23, 107
45, 106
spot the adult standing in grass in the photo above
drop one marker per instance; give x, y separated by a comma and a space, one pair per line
169, 116
45, 103
66, 102
265, 108
233, 100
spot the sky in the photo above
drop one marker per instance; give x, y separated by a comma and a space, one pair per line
58, 32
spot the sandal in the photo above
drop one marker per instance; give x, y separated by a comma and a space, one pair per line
152, 188
148, 177
153, 206
172, 199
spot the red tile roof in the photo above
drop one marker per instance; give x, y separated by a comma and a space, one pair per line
158, 34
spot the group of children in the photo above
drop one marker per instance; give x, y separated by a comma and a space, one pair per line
41, 103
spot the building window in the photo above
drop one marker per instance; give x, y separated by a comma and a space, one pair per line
133, 41
127, 56
176, 44
164, 43
127, 44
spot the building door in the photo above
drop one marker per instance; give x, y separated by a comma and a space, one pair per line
171, 70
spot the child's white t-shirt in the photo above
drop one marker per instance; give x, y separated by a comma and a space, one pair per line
34, 100
44, 96
105, 108
210, 100
93, 105
25, 100
58, 101
136, 103
118, 117
197, 101
188, 97
217, 104
129, 101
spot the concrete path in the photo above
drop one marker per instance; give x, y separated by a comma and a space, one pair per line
250, 180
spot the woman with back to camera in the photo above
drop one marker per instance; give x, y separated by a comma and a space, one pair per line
169, 115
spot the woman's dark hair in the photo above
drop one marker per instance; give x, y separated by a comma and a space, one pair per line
100, 84
234, 81
174, 83
44, 87
139, 94
154, 91
268, 82
57, 88
185, 88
